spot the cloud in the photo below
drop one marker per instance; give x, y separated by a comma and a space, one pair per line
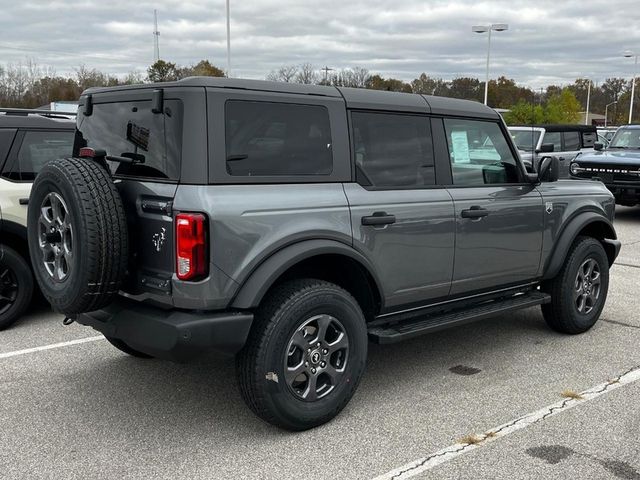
547, 42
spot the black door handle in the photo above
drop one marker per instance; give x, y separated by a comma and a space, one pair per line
475, 212
23, 201
379, 218
561, 159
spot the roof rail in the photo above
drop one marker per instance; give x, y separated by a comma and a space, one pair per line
28, 111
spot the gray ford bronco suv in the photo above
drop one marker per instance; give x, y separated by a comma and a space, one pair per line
290, 225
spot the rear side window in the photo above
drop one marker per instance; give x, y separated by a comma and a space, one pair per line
571, 141
589, 138
37, 149
153, 141
6, 139
479, 153
393, 150
275, 139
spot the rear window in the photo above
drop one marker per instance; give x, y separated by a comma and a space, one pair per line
571, 141
589, 138
273, 139
131, 130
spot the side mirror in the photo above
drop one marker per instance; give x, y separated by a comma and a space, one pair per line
598, 146
549, 170
545, 148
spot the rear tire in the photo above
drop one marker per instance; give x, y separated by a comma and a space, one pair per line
16, 286
579, 290
308, 326
77, 235
123, 347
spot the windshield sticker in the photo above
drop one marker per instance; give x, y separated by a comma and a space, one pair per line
138, 135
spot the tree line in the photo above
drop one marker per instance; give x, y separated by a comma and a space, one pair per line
28, 85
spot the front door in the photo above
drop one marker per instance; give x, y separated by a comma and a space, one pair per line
401, 220
499, 217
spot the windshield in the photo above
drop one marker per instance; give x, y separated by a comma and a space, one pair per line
525, 139
626, 138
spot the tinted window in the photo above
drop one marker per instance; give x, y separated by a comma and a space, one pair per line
571, 141
37, 149
393, 150
553, 138
6, 139
479, 153
273, 139
589, 138
525, 140
132, 130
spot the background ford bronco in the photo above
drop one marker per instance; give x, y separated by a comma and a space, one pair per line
289, 224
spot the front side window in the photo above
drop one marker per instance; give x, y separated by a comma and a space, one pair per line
479, 153
626, 138
275, 139
37, 149
553, 138
393, 150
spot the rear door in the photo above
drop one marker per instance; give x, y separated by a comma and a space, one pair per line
401, 219
143, 140
499, 216
571, 144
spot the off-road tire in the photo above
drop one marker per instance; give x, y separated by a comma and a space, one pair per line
100, 240
562, 314
260, 367
17, 273
123, 347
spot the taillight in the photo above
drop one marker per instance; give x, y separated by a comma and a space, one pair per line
191, 246
86, 152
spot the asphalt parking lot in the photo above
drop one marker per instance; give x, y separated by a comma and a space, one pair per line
86, 410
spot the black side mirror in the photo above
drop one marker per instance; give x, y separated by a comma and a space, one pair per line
549, 170
598, 146
545, 148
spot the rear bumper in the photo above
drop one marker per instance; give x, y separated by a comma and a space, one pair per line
170, 334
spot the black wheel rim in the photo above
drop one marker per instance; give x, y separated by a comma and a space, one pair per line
587, 286
316, 357
8, 288
55, 237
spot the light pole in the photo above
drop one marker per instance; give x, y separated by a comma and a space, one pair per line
629, 54
606, 109
498, 27
228, 42
586, 117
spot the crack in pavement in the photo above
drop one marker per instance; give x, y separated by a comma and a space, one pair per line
451, 452
630, 265
623, 324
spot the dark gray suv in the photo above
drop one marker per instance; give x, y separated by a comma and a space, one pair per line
289, 225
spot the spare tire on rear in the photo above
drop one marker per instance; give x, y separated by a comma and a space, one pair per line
77, 235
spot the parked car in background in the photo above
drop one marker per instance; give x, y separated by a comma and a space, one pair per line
607, 132
618, 167
563, 141
28, 140
289, 224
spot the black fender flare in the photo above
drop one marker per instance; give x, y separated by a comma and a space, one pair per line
254, 288
569, 234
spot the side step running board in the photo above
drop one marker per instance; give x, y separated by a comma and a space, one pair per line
403, 330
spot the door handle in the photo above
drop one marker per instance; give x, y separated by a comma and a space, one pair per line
23, 201
475, 212
562, 159
379, 218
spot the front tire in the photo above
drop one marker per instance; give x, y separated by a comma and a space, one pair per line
305, 354
16, 286
579, 291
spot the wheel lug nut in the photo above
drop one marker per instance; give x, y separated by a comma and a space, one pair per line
325, 351
306, 364
318, 344
313, 370
323, 364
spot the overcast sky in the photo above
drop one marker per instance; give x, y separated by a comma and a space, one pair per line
547, 42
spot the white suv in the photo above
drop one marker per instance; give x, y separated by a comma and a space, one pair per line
28, 140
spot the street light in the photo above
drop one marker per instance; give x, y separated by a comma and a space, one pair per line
605, 112
629, 54
228, 42
498, 27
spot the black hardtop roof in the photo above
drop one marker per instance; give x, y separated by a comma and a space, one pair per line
354, 97
561, 127
35, 120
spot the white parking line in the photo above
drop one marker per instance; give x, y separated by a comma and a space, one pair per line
50, 347
449, 453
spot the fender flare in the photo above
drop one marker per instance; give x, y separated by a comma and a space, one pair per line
254, 288
568, 236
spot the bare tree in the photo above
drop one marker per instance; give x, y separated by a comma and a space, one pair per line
286, 73
307, 74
